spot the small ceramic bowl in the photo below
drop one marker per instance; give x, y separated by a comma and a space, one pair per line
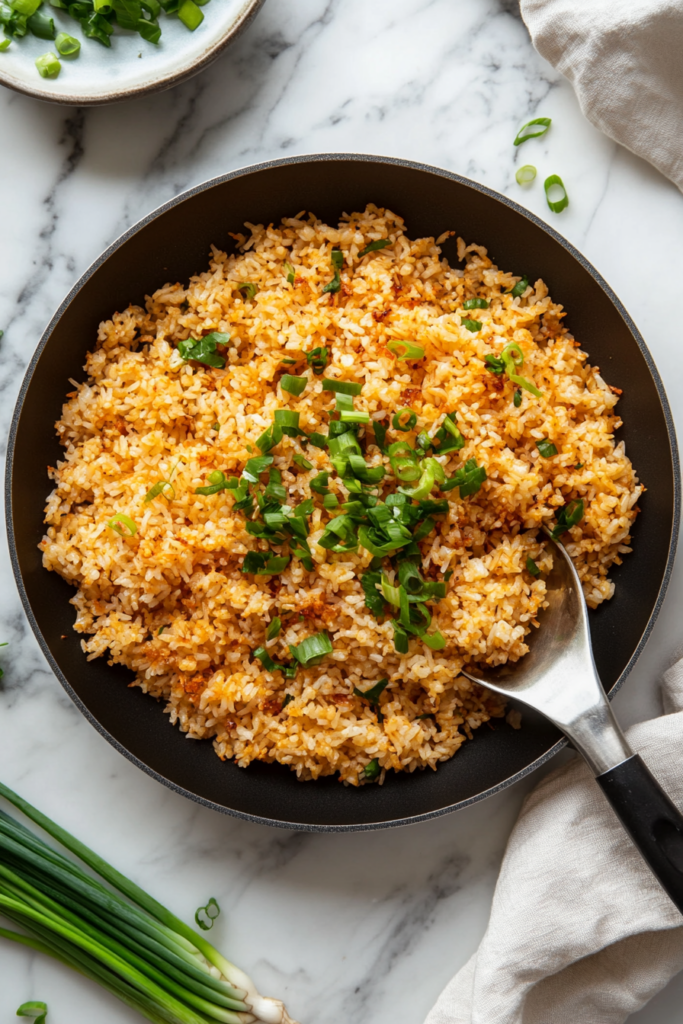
131, 66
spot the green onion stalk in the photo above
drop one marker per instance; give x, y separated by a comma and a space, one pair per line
124, 939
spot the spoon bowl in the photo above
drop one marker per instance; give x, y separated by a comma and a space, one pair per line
558, 677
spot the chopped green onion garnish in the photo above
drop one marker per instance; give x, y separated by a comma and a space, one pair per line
447, 575
217, 482
517, 399
249, 288
525, 174
301, 461
317, 359
398, 421
272, 666
369, 581
518, 290
264, 565
330, 501
468, 479
337, 257
471, 325
204, 350
190, 15
569, 516
312, 650
435, 640
161, 629
342, 387
523, 134
372, 770
290, 272
158, 489
288, 699
532, 567
4, 45
546, 448
216, 426
476, 304
373, 693
209, 913
294, 385
117, 522
409, 350
48, 66
36, 1009
381, 243
555, 184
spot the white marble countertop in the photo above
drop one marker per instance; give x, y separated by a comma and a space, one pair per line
369, 926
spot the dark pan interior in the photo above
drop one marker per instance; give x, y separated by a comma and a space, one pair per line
172, 245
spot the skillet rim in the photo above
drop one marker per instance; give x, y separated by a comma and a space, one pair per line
242, 172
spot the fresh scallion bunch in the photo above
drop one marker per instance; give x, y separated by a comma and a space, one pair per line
117, 934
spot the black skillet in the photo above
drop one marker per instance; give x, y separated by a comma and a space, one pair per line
171, 245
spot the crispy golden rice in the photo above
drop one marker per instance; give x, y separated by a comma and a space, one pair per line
172, 603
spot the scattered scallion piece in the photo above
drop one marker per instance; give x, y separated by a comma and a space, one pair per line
249, 288
553, 184
337, 257
569, 516
522, 135
517, 398
204, 350
373, 693
190, 14
217, 482
161, 629
525, 175
34, 1009
380, 243
158, 488
510, 360
290, 272
436, 640
312, 650
476, 304
468, 479
531, 567
330, 501
471, 325
293, 385
209, 913
372, 770
546, 448
317, 359
274, 628
410, 350
301, 461
117, 522
288, 699
48, 66
518, 290
67, 45
342, 387
264, 565
399, 422
216, 426
269, 665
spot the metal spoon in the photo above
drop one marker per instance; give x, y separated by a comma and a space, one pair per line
558, 677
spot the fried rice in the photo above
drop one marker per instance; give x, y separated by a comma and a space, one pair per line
171, 601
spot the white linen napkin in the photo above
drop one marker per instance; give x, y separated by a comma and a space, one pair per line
580, 930
624, 59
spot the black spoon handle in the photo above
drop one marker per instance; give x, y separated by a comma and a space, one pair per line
653, 822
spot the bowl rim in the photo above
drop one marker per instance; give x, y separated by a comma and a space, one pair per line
289, 161
249, 11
